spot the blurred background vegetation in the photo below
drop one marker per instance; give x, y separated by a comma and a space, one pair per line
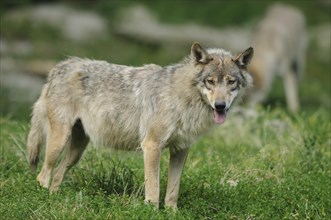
281, 161
29, 47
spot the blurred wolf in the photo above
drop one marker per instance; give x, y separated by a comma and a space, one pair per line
280, 46
123, 107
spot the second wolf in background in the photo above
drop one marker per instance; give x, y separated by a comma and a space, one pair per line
280, 47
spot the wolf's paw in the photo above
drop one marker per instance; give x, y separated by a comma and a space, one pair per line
152, 203
43, 179
171, 206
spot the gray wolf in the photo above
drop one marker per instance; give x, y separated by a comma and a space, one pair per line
279, 44
124, 107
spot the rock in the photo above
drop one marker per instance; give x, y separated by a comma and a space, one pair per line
76, 25
17, 47
139, 23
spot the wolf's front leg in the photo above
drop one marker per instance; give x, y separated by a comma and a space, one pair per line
176, 164
152, 154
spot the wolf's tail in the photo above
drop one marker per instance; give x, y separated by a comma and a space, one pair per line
37, 131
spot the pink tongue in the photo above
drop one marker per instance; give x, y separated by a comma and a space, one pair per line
219, 118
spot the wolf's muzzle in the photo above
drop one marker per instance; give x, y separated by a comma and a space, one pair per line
220, 106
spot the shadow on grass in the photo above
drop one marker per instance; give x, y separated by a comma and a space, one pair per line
108, 178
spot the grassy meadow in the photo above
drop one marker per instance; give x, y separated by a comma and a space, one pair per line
263, 163
267, 165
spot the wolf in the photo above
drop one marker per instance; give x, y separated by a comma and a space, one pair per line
279, 43
123, 107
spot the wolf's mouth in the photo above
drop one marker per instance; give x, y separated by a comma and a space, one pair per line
219, 116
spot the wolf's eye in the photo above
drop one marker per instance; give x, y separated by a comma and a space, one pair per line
231, 81
210, 81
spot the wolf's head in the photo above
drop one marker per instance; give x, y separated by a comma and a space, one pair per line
222, 77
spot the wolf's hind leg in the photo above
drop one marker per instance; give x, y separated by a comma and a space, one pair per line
291, 91
58, 136
78, 144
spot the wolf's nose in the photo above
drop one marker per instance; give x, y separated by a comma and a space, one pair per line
220, 106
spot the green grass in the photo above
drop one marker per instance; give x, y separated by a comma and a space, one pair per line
265, 166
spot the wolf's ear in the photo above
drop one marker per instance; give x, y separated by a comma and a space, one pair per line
199, 54
243, 59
